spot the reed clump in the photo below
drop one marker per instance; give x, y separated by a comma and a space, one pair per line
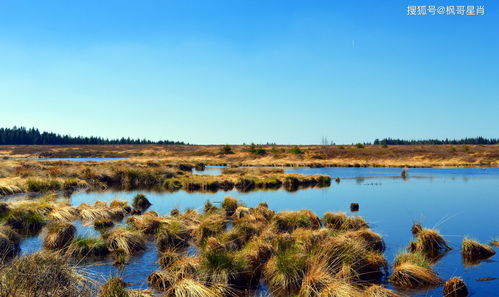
455, 287
9, 243
379, 291
288, 221
341, 222
124, 240
43, 274
429, 242
230, 205
86, 247
141, 202
114, 287
473, 252
103, 224
174, 234
25, 221
413, 271
59, 235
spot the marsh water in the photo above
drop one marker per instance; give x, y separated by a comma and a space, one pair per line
459, 202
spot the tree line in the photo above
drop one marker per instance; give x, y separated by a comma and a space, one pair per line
471, 141
21, 135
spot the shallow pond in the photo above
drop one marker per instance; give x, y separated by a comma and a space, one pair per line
458, 202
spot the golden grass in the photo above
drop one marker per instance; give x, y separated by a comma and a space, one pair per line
473, 251
287, 221
114, 287
9, 244
278, 155
379, 291
455, 287
86, 247
58, 235
124, 240
430, 242
410, 276
191, 288
43, 274
341, 222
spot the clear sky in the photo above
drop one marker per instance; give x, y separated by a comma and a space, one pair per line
236, 71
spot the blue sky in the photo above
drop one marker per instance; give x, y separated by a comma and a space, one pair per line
249, 71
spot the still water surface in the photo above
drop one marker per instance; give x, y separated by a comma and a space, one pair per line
458, 202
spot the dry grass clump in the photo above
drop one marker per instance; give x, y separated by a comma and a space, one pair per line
373, 241
129, 242
25, 221
86, 247
65, 213
351, 259
413, 271
379, 291
287, 221
189, 287
114, 287
230, 205
185, 267
495, 243
121, 204
90, 213
341, 222
411, 276
9, 243
416, 228
455, 287
103, 224
430, 242
141, 202
160, 280
339, 288
473, 251
59, 235
168, 257
210, 225
147, 224
173, 234
43, 274
284, 271
4, 209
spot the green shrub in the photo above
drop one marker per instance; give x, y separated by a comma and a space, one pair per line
296, 150
226, 149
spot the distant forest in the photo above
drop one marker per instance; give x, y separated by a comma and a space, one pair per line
21, 135
474, 140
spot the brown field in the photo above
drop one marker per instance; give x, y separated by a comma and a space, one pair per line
278, 155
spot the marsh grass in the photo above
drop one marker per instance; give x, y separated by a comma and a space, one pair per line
25, 221
86, 247
473, 252
428, 242
9, 243
43, 274
341, 222
379, 291
58, 235
413, 271
455, 287
141, 202
103, 224
288, 221
114, 287
125, 240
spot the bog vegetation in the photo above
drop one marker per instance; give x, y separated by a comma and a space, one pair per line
238, 248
